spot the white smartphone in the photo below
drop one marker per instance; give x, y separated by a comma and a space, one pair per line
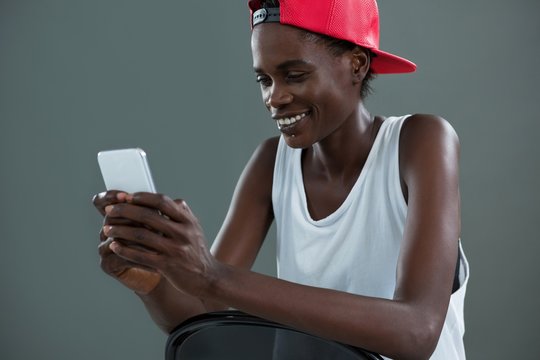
126, 170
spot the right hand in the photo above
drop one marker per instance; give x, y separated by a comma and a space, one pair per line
137, 278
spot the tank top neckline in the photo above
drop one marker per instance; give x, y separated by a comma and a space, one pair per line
334, 216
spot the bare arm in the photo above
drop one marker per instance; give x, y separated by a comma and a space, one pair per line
408, 326
250, 213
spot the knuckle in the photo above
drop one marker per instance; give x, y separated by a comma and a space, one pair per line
183, 207
183, 250
179, 201
171, 228
140, 235
163, 201
117, 210
146, 216
181, 204
96, 199
105, 198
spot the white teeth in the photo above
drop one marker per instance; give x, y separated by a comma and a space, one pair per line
290, 120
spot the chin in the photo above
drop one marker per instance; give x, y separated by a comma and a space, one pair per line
297, 142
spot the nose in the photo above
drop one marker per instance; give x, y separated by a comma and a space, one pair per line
277, 96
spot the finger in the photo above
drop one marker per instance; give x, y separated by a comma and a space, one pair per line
114, 265
107, 220
115, 221
102, 236
143, 258
181, 203
110, 263
105, 198
166, 206
150, 240
143, 216
104, 248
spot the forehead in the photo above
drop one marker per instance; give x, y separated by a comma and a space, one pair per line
273, 43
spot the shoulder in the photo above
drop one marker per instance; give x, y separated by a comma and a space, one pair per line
423, 131
427, 142
265, 154
269, 146
425, 126
260, 167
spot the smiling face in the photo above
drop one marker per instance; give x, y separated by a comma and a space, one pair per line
309, 92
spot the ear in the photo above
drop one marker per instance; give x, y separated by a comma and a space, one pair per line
360, 61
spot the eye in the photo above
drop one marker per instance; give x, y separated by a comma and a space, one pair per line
264, 80
296, 76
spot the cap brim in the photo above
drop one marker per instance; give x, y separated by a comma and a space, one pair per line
386, 63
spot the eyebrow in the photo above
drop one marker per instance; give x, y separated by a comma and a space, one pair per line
285, 65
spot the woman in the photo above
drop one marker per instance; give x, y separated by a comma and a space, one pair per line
366, 207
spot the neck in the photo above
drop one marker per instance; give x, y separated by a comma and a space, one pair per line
343, 153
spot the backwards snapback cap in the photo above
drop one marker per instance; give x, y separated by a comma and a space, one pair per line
356, 21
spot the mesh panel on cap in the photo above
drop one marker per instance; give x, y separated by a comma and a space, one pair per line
304, 14
355, 21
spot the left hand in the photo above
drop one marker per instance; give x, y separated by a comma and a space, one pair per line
175, 243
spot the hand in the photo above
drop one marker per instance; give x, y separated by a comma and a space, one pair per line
139, 279
172, 240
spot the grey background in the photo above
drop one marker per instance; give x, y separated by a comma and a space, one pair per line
175, 78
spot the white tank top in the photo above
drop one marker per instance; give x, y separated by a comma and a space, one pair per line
355, 249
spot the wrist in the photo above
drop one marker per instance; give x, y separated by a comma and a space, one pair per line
216, 282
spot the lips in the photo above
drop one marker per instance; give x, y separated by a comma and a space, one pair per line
289, 121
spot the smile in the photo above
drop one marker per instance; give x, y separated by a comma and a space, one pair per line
288, 121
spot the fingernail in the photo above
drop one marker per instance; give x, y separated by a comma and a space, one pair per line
129, 197
106, 229
114, 246
121, 196
108, 209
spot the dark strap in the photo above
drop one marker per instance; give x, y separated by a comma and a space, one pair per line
455, 287
265, 15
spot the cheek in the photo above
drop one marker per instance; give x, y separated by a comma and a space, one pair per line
331, 96
340, 90
336, 103
336, 78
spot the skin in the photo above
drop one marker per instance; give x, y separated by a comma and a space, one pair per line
336, 136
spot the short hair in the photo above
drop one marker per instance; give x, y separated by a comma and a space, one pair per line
337, 47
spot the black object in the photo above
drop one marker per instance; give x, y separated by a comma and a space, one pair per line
234, 335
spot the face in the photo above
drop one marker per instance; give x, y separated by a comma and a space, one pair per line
310, 93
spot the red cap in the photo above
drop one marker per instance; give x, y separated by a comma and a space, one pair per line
356, 21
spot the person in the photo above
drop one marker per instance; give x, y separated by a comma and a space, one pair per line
367, 207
